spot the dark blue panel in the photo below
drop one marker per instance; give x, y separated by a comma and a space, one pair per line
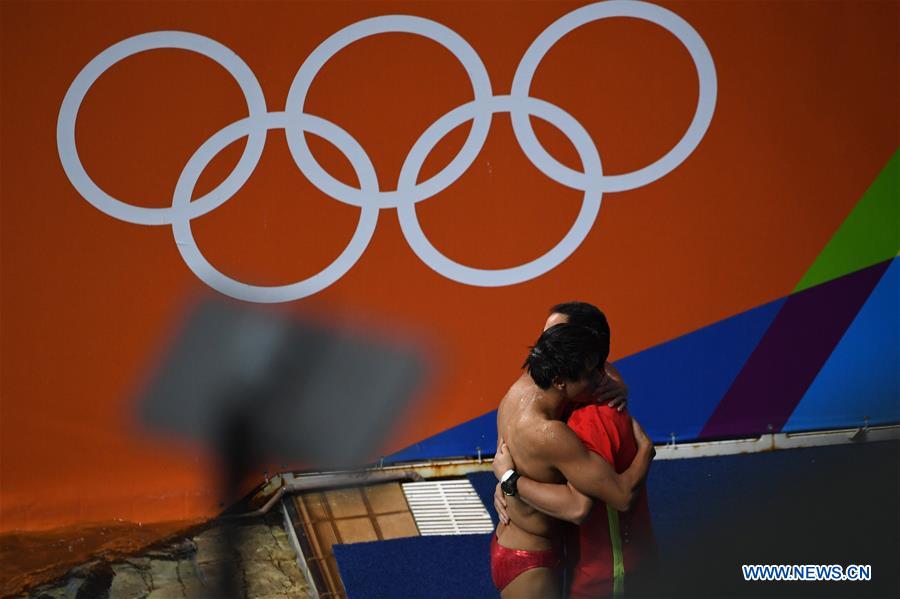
485, 484
823, 505
460, 441
861, 378
675, 386
438, 567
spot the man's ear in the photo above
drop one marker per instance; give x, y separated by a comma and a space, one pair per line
559, 382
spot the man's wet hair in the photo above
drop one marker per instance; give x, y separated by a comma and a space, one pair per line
563, 351
587, 315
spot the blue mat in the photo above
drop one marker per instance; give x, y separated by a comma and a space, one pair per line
439, 567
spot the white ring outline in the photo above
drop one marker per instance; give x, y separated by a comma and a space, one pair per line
209, 274
449, 39
68, 114
706, 98
590, 206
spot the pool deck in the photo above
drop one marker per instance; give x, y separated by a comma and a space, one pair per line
819, 505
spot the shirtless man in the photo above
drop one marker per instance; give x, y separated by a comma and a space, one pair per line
610, 544
565, 366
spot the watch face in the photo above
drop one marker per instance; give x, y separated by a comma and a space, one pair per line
509, 485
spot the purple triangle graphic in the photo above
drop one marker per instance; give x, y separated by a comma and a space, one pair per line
790, 354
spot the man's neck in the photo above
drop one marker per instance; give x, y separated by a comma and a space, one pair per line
550, 402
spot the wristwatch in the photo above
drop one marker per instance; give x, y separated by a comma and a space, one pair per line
508, 483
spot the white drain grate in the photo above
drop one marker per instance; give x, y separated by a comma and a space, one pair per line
447, 507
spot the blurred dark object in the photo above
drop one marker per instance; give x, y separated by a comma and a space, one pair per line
259, 385
255, 386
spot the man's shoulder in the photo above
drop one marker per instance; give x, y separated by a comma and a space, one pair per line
602, 429
546, 436
519, 389
593, 414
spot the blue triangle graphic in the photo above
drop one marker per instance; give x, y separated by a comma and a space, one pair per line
674, 387
861, 378
463, 440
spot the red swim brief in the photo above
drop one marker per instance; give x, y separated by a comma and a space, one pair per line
507, 564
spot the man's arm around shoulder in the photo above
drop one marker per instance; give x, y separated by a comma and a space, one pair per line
591, 474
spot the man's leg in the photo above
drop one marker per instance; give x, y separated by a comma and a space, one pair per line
540, 583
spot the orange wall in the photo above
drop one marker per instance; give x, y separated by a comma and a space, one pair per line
806, 117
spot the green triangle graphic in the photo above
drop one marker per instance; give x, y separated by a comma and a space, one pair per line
869, 235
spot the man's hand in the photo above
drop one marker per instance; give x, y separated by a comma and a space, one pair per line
612, 392
500, 505
502, 460
640, 436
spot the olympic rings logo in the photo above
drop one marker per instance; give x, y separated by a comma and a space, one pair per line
369, 197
